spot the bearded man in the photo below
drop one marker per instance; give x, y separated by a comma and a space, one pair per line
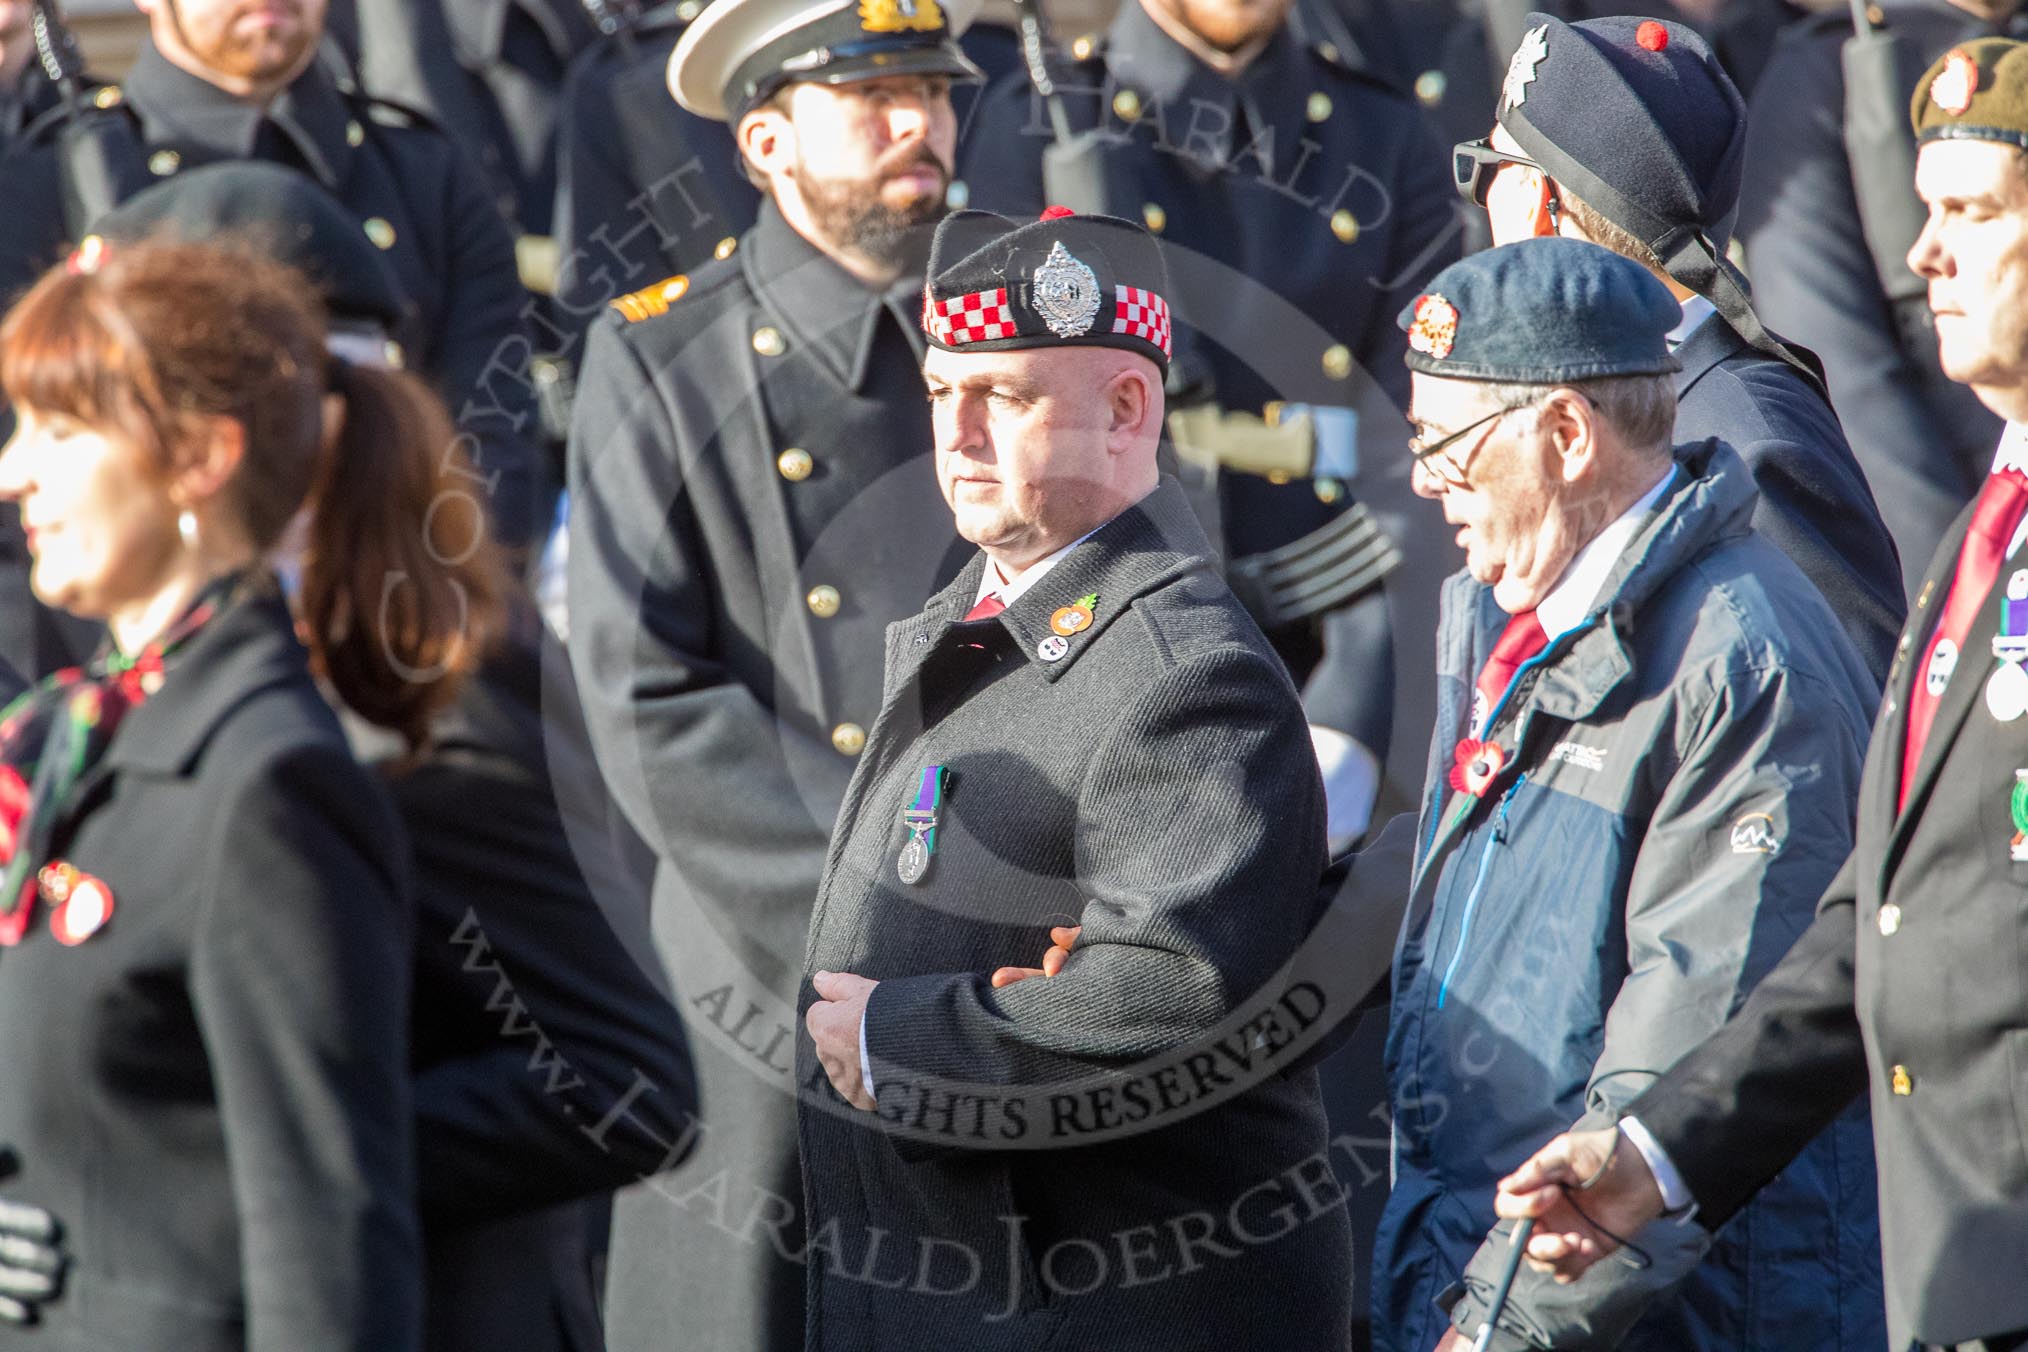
752, 503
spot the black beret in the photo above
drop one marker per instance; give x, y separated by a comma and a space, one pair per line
285, 213
1062, 281
1542, 312
1635, 117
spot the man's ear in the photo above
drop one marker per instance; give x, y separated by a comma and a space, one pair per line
767, 139
1133, 399
1573, 426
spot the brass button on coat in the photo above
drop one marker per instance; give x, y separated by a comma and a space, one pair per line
726, 247
1338, 361
1903, 1083
1344, 225
380, 232
1890, 919
824, 601
1318, 107
164, 163
767, 340
1154, 218
848, 739
795, 464
1127, 104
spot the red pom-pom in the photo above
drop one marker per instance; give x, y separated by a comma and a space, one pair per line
1055, 213
1652, 35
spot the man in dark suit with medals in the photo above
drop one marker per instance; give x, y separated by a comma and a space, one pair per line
1085, 727
752, 503
1910, 981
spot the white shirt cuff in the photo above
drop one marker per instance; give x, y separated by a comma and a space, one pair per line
1675, 1193
865, 1061
1351, 782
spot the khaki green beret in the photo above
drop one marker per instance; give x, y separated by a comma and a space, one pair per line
1977, 91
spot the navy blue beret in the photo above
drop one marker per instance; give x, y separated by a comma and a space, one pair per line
1065, 280
1542, 312
1635, 117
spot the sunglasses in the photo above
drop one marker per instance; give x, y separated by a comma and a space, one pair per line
1474, 163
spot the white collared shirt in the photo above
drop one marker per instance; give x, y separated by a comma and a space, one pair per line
1696, 310
2013, 454
994, 582
1574, 593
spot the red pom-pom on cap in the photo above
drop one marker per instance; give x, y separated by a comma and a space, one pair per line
1652, 35
1055, 213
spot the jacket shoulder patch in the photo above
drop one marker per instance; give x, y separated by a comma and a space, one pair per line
654, 300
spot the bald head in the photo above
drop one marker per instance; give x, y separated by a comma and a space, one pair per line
1040, 446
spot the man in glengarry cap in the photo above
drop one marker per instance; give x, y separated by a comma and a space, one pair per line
751, 505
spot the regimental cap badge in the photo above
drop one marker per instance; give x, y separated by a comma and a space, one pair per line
1065, 292
1534, 49
1954, 85
900, 16
1434, 329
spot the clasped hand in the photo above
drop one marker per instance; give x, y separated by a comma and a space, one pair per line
32, 1260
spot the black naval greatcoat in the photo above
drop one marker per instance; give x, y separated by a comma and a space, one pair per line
752, 502
1814, 501
1302, 204
212, 1093
1073, 1162
414, 192
1923, 440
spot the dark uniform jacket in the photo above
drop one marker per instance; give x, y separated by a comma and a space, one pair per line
1814, 503
1046, 1169
212, 1093
1303, 204
753, 502
549, 1070
1911, 980
1923, 441
414, 192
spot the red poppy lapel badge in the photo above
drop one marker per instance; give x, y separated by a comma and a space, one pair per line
1476, 766
1434, 329
80, 904
13, 807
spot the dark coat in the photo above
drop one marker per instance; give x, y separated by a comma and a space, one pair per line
549, 1070
1156, 783
1923, 441
212, 1093
726, 712
1924, 1002
1303, 203
446, 239
1814, 503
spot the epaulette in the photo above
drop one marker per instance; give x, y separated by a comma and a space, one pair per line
651, 301
1090, 47
104, 99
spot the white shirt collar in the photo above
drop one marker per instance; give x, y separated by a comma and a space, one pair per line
2013, 451
1696, 310
995, 583
1565, 606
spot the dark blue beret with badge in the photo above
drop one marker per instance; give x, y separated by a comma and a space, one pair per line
1542, 312
1065, 280
740, 52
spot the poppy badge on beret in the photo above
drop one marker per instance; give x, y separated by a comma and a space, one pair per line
1435, 327
1954, 85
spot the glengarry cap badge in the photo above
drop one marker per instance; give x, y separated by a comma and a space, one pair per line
1065, 293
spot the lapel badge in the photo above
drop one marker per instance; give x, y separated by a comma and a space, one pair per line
2007, 687
1052, 648
1074, 619
1065, 293
1943, 660
80, 904
1534, 49
2017, 808
1475, 766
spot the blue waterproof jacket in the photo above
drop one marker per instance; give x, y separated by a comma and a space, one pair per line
1679, 789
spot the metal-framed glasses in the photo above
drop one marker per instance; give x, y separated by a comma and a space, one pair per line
1474, 164
1435, 456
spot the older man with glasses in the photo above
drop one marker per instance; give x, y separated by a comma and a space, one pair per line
1644, 771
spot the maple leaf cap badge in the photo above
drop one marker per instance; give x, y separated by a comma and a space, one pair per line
1954, 85
1435, 327
1532, 52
